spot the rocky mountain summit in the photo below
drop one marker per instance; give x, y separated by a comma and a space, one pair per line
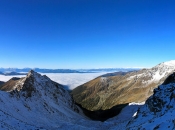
36, 102
105, 92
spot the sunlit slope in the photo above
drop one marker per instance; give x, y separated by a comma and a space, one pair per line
106, 92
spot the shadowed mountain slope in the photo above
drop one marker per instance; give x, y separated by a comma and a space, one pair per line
1, 83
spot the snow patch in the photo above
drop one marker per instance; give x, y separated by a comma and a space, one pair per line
103, 79
170, 63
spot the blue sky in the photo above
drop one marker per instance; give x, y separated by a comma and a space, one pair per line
86, 33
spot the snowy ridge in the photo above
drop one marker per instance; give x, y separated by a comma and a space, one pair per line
36, 102
157, 73
170, 63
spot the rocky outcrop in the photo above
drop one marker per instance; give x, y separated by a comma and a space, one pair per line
159, 110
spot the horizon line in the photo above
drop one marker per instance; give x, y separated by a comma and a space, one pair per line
75, 68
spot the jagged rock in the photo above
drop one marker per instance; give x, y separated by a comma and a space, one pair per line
170, 79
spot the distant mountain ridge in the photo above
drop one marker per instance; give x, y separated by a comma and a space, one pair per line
109, 70
67, 70
39, 70
12, 73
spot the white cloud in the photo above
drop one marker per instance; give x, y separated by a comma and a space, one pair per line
72, 80
6, 78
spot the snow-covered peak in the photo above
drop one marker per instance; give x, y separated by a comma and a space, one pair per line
162, 70
170, 63
37, 103
156, 74
35, 75
32, 73
165, 66
32, 80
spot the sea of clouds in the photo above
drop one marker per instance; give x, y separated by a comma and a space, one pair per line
70, 80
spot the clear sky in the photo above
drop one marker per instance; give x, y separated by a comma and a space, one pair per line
86, 33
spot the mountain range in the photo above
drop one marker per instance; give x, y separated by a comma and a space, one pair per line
12, 73
37, 102
7, 70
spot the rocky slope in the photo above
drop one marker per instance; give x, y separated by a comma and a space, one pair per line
8, 86
36, 102
105, 92
159, 110
157, 113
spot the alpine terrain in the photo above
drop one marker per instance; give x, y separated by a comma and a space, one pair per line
36, 102
157, 113
159, 110
106, 92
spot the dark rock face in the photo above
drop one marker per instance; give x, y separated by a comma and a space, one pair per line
1, 83
162, 96
170, 79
